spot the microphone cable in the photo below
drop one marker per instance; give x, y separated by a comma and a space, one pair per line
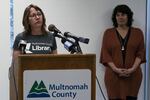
13, 76
100, 88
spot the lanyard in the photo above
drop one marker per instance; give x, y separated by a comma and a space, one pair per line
123, 41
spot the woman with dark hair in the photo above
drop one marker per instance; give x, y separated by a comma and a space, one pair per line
122, 53
37, 39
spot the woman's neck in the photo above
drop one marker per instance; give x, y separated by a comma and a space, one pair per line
123, 31
122, 27
36, 32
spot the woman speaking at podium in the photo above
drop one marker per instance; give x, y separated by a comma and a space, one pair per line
34, 39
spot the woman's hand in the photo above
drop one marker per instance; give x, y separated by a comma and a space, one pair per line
134, 66
121, 72
130, 70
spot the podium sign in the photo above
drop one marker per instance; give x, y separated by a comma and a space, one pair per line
71, 84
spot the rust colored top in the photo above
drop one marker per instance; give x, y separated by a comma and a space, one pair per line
118, 87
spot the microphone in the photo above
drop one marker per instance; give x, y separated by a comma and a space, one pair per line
81, 39
22, 45
69, 45
53, 28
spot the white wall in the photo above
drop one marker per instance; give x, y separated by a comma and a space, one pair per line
87, 18
4, 49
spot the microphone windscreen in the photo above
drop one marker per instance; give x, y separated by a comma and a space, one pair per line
84, 40
66, 34
22, 43
51, 27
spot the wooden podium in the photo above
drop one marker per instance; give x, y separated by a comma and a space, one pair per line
50, 62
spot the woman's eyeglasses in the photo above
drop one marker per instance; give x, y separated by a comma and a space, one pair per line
35, 15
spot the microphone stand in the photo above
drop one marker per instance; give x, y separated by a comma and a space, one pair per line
78, 48
22, 50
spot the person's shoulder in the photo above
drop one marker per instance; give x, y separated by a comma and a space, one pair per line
49, 34
136, 29
19, 35
109, 31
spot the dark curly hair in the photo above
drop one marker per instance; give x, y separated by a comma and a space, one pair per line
25, 20
125, 10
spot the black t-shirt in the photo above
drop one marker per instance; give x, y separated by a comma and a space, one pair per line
36, 44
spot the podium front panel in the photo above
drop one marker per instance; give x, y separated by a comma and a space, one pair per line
60, 62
